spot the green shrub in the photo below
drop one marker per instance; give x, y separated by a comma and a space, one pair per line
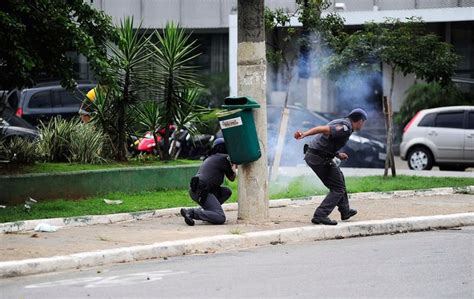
71, 141
55, 139
18, 150
429, 95
86, 144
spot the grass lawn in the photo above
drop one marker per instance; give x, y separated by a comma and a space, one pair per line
296, 187
69, 167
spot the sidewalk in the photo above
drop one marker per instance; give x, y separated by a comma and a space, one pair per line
166, 229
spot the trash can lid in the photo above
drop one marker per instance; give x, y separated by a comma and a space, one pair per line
225, 113
242, 102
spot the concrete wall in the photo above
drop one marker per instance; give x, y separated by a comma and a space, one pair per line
203, 14
188, 13
80, 184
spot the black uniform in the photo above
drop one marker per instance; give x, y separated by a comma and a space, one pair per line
211, 176
322, 149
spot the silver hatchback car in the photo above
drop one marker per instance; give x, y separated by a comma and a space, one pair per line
440, 136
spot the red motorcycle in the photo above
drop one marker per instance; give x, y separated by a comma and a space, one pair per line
147, 144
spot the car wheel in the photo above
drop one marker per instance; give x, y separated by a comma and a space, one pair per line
420, 158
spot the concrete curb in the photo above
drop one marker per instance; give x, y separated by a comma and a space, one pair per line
29, 225
231, 242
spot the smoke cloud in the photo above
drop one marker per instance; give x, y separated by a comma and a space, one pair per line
330, 99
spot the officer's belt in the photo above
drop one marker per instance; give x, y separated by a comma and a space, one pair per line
321, 153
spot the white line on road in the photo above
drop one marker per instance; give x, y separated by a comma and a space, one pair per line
97, 281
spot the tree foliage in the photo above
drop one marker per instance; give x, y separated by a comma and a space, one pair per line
36, 36
152, 85
173, 53
404, 46
327, 31
429, 95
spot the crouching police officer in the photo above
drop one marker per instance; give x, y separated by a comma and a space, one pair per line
319, 156
205, 187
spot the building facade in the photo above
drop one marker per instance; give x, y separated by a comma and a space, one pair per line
213, 23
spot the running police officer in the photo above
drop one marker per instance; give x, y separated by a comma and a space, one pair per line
319, 156
205, 187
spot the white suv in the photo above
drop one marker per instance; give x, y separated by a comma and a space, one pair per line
440, 136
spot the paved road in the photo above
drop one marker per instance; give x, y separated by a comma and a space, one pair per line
438, 264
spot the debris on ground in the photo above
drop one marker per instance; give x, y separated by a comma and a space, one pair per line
45, 227
29, 203
113, 202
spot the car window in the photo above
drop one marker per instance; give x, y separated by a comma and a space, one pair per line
13, 120
83, 90
13, 100
471, 121
450, 120
428, 120
66, 98
40, 99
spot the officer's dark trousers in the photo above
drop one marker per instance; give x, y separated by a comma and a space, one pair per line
211, 207
333, 179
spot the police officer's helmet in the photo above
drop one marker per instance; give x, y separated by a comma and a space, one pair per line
357, 114
218, 141
218, 146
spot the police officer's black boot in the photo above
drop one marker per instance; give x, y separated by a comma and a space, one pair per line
323, 220
187, 216
348, 214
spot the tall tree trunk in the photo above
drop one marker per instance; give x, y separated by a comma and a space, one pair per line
390, 159
121, 154
253, 177
168, 117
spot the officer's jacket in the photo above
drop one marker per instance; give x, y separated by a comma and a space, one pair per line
214, 168
341, 130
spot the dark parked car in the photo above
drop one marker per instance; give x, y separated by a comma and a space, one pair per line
45, 101
11, 126
363, 152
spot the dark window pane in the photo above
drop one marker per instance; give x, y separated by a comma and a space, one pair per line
84, 90
471, 121
65, 98
13, 100
428, 120
450, 120
40, 100
18, 122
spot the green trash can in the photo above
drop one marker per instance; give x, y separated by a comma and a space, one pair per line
238, 129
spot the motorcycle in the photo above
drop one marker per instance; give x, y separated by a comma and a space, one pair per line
147, 144
194, 147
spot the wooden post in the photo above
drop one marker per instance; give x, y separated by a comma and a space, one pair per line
390, 159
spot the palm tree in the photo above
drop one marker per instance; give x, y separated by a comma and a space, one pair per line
131, 59
173, 55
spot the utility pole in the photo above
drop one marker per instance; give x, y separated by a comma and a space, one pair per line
251, 68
